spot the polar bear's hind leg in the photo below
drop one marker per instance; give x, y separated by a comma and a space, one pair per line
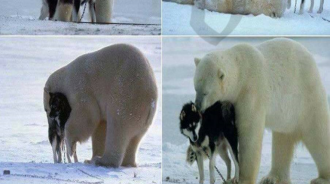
115, 144
130, 155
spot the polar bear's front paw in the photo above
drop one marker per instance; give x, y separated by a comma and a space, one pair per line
274, 180
269, 180
231, 181
320, 181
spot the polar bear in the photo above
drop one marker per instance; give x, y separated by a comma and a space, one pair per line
274, 85
272, 8
113, 96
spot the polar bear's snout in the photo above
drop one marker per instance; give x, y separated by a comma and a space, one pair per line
198, 101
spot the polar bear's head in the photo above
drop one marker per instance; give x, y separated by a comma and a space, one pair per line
214, 80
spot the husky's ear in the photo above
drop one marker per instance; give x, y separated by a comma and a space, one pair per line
228, 113
182, 115
197, 61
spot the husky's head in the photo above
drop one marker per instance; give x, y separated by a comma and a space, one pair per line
58, 111
190, 121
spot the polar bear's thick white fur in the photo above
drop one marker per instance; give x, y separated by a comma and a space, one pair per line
274, 85
113, 96
272, 8
103, 11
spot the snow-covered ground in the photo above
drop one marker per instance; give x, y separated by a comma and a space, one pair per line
178, 88
21, 17
25, 65
177, 21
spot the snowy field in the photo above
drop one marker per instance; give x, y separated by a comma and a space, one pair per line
25, 65
178, 88
177, 21
21, 17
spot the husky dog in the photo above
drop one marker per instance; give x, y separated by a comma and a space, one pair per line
48, 9
210, 133
58, 115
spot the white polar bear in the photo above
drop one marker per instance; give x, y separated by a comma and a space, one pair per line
113, 96
272, 8
274, 85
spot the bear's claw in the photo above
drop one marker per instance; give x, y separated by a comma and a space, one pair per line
320, 181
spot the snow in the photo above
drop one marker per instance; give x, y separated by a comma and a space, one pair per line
178, 88
21, 17
25, 65
177, 20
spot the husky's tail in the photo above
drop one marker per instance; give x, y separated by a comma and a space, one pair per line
191, 156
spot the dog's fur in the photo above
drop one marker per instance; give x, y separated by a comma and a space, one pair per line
58, 114
216, 133
113, 96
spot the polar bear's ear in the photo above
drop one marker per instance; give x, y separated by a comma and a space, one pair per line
197, 61
46, 90
221, 75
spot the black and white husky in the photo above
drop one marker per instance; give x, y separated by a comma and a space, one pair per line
60, 10
59, 114
213, 132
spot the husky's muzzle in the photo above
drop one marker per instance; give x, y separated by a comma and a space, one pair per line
194, 138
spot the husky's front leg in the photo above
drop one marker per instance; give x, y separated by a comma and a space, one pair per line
44, 12
200, 167
75, 157
211, 165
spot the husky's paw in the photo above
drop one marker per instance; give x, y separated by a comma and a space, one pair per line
87, 162
320, 181
191, 156
201, 181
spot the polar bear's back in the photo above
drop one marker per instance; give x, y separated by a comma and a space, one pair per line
119, 74
295, 83
288, 63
